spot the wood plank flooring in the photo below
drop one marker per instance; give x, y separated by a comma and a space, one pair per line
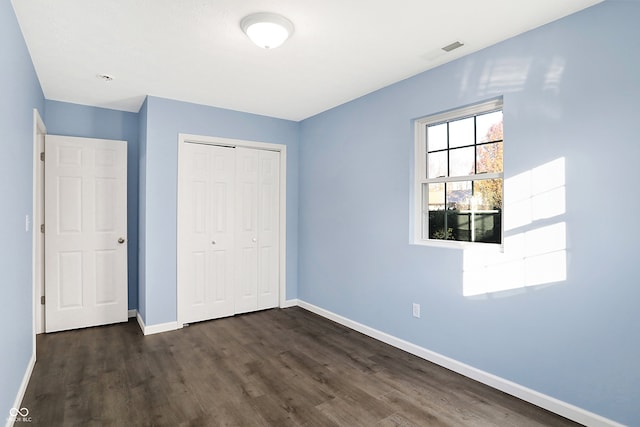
271, 368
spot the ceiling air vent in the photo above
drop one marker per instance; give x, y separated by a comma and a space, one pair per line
452, 46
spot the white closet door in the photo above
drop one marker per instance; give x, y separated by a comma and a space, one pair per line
206, 265
258, 229
247, 161
228, 231
268, 229
85, 232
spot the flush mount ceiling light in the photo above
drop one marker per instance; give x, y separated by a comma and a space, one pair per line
267, 30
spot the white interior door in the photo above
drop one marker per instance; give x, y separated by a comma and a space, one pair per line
85, 232
206, 269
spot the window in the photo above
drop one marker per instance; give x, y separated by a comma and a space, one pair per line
459, 175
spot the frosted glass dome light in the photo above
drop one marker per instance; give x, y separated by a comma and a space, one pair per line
267, 30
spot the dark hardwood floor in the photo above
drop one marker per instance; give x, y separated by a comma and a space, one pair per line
271, 368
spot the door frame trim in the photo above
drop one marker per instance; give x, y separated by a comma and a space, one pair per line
184, 138
39, 129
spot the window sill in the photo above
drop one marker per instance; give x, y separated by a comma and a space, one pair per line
452, 244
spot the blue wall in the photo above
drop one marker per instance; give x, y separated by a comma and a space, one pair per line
20, 94
63, 118
571, 92
165, 119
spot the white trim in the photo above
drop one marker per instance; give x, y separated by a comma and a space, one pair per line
283, 224
289, 303
23, 387
456, 244
132, 313
462, 178
37, 201
156, 329
536, 398
420, 171
462, 113
140, 322
228, 142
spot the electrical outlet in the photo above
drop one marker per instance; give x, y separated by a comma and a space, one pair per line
416, 310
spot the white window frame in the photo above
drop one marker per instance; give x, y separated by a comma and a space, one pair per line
420, 168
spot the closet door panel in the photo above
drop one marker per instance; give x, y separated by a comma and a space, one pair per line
206, 246
247, 161
268, 229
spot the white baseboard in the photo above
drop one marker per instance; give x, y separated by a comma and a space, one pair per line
172, 326
289, 303
156, 329
23, 388
547, 402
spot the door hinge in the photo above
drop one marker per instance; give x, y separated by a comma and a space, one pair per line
42, 156
42, 300
42, 228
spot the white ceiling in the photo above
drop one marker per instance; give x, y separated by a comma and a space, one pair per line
195, 51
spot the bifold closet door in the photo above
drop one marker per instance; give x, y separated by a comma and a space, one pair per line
206, 250
258, 222
229, 231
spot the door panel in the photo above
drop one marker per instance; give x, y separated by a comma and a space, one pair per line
85, 215
206, 277
70, 279
268, 230
247, 162
106, 266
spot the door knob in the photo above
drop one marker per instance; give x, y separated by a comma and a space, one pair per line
121, 240
254, 240
213, 242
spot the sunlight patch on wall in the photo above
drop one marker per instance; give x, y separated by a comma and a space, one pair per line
534, 251
534, 195
553, 77
511, 74
504, 75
